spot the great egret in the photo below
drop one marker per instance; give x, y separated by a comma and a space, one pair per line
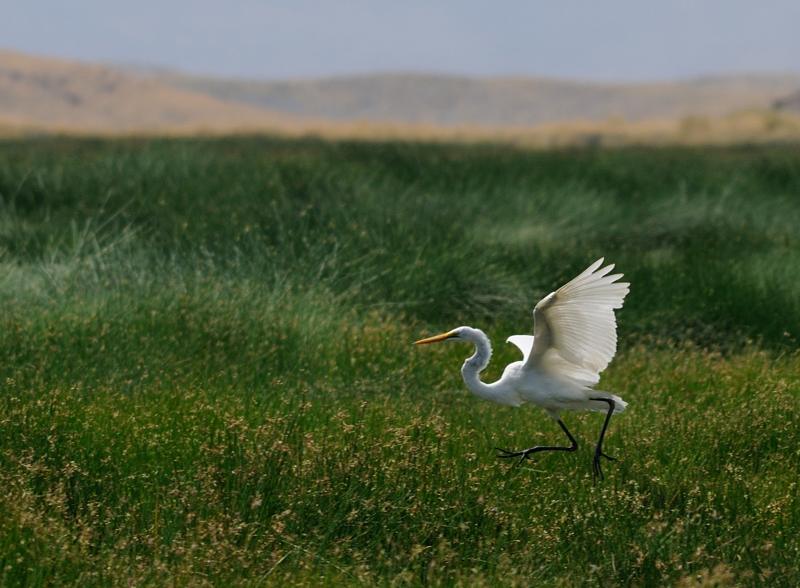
574, 339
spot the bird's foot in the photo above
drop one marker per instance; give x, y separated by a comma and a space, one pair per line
504, 453
522, 455
525, 453
597, 471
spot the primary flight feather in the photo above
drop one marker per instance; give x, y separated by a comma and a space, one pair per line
574, 339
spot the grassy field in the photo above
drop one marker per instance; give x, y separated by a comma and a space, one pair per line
207, 377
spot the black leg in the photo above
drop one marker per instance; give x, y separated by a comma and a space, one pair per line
505, 453
597, 471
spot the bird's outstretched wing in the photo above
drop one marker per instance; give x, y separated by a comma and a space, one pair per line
524, 343
575, 331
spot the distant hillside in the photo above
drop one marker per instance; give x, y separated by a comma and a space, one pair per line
790, 103
448, 100
44, 93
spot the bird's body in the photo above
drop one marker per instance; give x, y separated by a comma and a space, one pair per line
574, 340
519, 384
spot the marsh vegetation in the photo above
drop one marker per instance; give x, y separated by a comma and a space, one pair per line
207, 377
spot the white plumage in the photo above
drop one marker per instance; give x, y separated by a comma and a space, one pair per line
574, 339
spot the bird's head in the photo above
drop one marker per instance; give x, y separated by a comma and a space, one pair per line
458, 334
483, 349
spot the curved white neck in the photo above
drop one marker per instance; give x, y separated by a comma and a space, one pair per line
476, 363
503, 391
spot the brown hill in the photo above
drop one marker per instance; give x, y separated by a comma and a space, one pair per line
513, 102
53, 94
789, 103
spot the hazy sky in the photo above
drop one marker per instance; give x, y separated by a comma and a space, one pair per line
598, 39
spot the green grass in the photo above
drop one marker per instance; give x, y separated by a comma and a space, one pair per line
206, 374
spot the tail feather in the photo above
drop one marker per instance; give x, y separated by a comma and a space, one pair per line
599, 406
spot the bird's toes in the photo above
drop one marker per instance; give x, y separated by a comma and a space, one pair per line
505, 453
597, 470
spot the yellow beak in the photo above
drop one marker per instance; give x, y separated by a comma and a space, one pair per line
435, 338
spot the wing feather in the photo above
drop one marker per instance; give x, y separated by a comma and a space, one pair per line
575, 330
524, 343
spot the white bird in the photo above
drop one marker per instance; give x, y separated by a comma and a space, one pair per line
574, 339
